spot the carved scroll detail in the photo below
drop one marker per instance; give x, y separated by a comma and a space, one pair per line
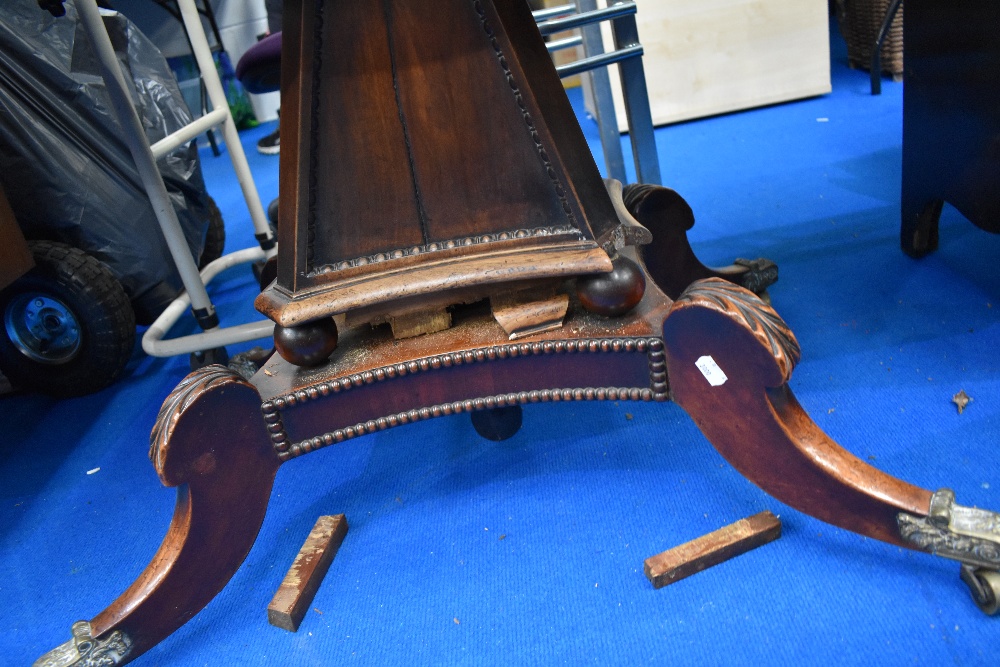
653, 348
747, 308
180, 399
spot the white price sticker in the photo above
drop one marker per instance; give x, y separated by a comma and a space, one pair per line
711, 371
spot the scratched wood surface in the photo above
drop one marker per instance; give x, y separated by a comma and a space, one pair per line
711, 549
297, 590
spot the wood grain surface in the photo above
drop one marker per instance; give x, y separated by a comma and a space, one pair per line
711, 549
292, 599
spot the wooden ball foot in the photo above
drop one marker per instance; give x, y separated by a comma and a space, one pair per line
308, 344
613, 293
497, 423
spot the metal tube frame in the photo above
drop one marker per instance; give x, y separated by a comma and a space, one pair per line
145, 157
627, 54
142, 155
875, 71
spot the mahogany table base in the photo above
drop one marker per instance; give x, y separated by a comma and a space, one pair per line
715, 348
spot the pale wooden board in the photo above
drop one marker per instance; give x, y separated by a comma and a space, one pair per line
714, 56
293, 597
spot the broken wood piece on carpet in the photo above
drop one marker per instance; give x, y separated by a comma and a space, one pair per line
711, 549
306, 574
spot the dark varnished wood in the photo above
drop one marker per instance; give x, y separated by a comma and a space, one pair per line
220, 439
755, 422
442, 189
223, 469
498, 424
613, 293
669, 258
951, 118
378, 382
307, 344
372, 382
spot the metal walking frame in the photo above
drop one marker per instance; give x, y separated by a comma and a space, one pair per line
627, 54
195, 295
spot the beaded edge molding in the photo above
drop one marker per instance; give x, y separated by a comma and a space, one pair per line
529, 122
652, 347
437, 246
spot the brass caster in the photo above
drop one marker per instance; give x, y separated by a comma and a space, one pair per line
83, 650
984, 585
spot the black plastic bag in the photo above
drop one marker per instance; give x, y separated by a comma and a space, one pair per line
66, 170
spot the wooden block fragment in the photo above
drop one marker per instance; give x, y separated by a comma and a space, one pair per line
296, 592
708, 550
420, 322
528, 312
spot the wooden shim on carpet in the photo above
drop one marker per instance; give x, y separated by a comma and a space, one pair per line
296, 592
708, 550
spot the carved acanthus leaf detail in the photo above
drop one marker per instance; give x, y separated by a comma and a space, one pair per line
747, 308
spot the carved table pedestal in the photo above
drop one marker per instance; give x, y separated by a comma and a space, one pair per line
431, 162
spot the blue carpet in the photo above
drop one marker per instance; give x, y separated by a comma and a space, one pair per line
529, 551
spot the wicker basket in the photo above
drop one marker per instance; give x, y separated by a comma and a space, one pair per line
860, 21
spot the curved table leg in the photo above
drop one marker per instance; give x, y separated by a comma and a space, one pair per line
726, 355
224, 469
729, 358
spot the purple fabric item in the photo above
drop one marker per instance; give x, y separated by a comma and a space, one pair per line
259, 70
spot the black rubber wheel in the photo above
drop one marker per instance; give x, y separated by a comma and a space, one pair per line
67, 325
215, 236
